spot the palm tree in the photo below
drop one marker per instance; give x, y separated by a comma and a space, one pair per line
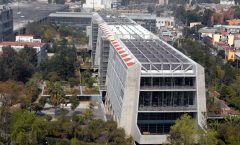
56, 92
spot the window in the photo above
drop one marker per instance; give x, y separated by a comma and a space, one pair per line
158, 123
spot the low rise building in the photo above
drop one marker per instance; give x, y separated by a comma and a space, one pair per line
234, 22
207, 32
26, 38
193, 24
165, 21
27, 41
146, 20
227, 2
76, 19
93, 5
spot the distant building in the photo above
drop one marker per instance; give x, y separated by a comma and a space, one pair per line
207, 32
234, 22
164, 21
32, 12
193, 24
6, 23
146, 20
76, 19
227, 2
158, 2
27, 40
163, 2
93, 5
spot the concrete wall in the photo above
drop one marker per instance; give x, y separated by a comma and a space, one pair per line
130, 100
201, 96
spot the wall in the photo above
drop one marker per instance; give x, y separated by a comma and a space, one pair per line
230, 40
216, 38
201, 96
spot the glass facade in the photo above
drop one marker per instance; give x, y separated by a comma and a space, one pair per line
166, 94
158, 123
76, 21
167, 82
166, 98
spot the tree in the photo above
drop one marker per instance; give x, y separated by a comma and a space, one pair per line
86, 78
48, 32
26, 128
74, 141
183, 132
64, 31
53, 77
31, 89
29, 54
56, 92
73, 82
74, 102
208, 138
11, 92
62, 64
229, 131
14, 66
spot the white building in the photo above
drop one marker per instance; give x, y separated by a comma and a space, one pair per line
163, 2
22, 42
164, 21
93, 4
26, 38
193, 24
148, 83
227, 2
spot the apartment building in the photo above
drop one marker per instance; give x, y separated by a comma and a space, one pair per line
148, 83
6, 23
